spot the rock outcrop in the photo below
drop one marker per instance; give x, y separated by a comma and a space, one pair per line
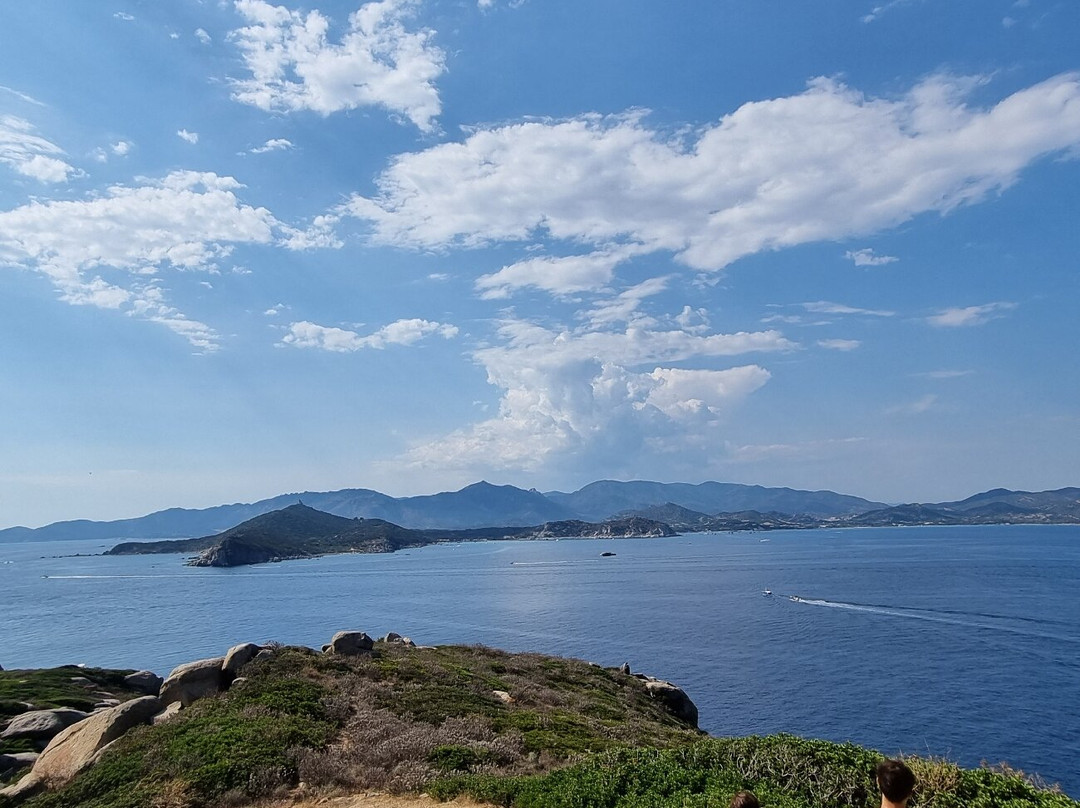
193, 681
237, 657
80, 745
673, 698
146, 682
349, 643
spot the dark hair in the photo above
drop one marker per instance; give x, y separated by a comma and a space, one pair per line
895, 780
745, 799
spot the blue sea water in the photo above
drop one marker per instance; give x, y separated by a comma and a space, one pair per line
961, 642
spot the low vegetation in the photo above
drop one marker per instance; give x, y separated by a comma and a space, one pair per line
518, 730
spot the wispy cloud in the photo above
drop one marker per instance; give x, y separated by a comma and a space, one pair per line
339, 340
106, 250
944, 374
202, 35
379, 61
31, 155
826, 307
970, 315
839, 344
867, 258
916, 407
190, 137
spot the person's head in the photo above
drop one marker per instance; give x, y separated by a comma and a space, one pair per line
895, 780
745, 799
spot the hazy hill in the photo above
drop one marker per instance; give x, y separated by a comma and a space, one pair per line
602, 499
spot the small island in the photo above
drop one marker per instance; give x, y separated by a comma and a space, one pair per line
302, 532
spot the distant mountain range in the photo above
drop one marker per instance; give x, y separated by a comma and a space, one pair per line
706, 506
302, 532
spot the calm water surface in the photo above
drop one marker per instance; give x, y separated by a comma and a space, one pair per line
960, 641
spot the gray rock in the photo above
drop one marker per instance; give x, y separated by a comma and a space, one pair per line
237, 657
625, 668
106, 704
24, 789
349, 643
81, 680
392, 636
674, 700
16, 760
41, 725
265, 653
80, 745
193, 681
146, 682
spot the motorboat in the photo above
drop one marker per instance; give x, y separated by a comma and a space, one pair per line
767, 592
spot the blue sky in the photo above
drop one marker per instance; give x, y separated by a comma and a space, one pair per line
405, 245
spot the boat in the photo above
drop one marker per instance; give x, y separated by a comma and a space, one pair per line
766, 592
796, 599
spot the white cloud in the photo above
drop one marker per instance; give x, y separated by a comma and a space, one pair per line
829, 163
121, 148
274, 144
969, 315
120, 15
187, 221
866, 258
591, 395
29, 99
839, 344
401, 332
558, 275
378, 62
825, 307
190, 137
878, 10
30, 154
202, 35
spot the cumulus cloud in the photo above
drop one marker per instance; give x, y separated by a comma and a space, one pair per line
378, 62
202, 35
105, 251
829, 163
121, 148
190, 137
969, 315
839, 344
30, 154
274, 144
866, 258
608, 396
339, 340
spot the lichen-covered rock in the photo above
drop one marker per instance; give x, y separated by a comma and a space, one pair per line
193, 681
146, 682
349, 643
41, 725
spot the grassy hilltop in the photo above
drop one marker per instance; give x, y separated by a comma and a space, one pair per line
510, 729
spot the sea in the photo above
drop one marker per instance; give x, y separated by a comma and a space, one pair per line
955, 642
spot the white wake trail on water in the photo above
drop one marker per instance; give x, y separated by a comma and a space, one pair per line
951, 617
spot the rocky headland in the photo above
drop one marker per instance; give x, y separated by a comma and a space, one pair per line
291, 725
